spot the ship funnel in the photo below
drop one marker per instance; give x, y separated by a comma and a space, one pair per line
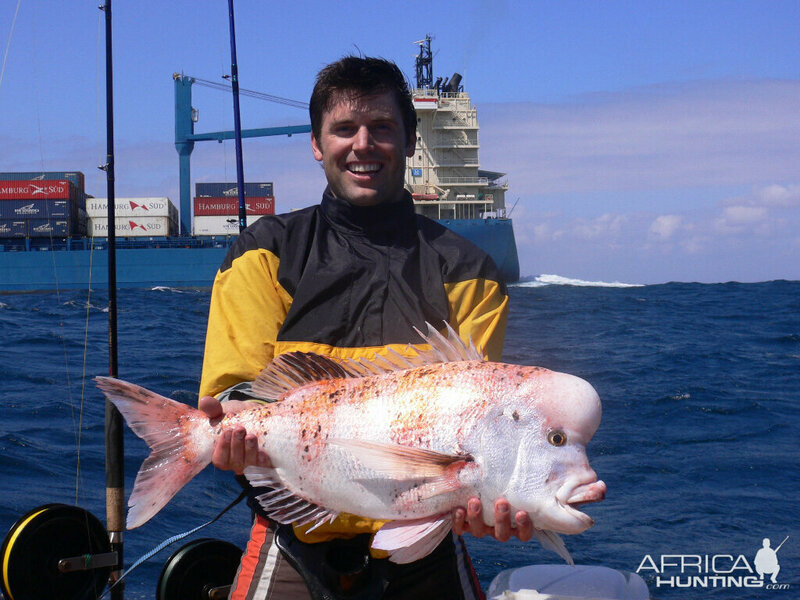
455, 81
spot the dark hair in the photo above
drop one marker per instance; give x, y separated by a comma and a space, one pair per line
361, 76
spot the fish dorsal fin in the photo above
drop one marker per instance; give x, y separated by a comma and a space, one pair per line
294, 369
447, 349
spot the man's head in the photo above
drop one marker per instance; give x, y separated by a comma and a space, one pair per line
361, 76
363, 128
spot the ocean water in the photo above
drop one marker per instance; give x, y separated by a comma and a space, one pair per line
699, 442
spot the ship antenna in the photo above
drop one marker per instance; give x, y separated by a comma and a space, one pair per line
424, 64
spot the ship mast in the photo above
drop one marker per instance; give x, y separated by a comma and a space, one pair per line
424, 64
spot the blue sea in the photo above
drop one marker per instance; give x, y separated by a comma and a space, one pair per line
699, 443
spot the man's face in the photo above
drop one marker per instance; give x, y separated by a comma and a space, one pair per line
363, 148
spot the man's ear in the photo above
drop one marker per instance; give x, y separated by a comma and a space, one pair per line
411, 144
315, 147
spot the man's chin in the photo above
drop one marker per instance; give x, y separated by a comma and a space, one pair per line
367, 197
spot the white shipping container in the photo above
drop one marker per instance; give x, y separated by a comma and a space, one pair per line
133, 226
220, 225
132, 207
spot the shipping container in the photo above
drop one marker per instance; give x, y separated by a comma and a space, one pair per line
231, 190
218, 207
75, 177
53, 189
36, 209
13, 228
133, 207
45, 228
220, 225
133, 226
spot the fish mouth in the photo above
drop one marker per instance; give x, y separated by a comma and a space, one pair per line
570, 499
587, 493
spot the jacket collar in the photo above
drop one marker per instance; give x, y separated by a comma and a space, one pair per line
381, 220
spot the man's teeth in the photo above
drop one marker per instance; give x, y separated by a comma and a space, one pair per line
364, 168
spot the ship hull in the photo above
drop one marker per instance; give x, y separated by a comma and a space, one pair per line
45, 270
493, 236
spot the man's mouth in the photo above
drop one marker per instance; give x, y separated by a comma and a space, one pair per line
364, 168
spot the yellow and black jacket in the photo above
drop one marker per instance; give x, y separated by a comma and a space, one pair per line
346, 281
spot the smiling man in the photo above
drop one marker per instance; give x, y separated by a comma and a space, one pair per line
348, 278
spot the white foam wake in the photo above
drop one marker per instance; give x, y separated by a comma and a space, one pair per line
544, 279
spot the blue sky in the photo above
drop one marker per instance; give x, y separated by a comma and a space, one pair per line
643, 141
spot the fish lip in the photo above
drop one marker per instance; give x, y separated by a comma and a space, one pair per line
573, 495
581, 521
586, 493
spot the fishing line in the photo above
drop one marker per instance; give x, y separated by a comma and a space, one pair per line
172, 540
83, 371
8, 44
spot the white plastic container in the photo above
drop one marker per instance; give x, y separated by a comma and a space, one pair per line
565, 582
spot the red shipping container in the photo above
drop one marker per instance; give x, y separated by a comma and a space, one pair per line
37, 190
219, 207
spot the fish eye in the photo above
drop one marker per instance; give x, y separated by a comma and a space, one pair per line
557, 437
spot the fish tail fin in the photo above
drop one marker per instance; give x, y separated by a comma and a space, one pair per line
177, 454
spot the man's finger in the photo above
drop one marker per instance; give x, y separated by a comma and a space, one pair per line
250, 450
222, 450
524, 529
475, 518
211, 406
238, 450
460, 526
502, 520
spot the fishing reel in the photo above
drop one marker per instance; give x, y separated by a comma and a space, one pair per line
62, 552
56, 551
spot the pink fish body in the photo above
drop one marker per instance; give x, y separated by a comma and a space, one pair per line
390, 441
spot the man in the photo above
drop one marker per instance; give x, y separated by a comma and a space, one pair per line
349, 277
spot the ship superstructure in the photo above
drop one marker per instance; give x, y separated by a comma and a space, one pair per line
444, 175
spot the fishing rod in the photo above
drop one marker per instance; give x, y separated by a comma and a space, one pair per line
114, 446
237, 125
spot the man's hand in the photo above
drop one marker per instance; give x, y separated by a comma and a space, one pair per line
471, 520
235, 449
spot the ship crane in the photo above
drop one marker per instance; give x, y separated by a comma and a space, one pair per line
185, 137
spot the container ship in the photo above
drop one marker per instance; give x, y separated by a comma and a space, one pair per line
53, 235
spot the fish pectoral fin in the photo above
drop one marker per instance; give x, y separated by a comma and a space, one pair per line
408, 541
281, 504
552, 541
404, 462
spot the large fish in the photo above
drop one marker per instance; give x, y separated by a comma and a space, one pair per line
398, 439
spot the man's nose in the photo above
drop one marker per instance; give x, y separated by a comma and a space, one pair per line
363, 138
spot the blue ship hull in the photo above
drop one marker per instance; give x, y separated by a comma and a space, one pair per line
171, 263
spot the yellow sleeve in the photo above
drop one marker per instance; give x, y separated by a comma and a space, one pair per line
248, 306
479, 310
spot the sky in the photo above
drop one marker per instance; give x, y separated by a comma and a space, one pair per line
643, 142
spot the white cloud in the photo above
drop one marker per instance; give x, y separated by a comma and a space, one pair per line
665, 226
744, 215
779, 196
604, 226
683, 135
